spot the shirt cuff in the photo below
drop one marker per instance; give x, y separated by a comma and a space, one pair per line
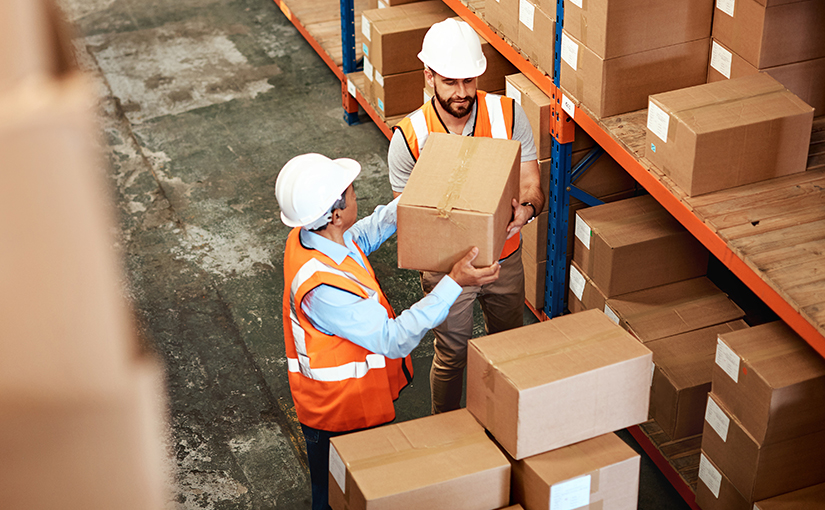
447, 289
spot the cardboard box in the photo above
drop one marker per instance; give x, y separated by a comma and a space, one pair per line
809, 498
602, 472
535, 276
805, 79
635, 244
557, 382
672, 309
773, 35
536, 31
761, 471
440, 461
383, 4
729, 133
458, 196
534, 239
769, 377
502, 15
583, 293
609, 87
536, 105
714, 490
681, 379
612, 28
397, 94
498, 67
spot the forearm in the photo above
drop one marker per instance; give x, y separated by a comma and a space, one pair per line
530, 185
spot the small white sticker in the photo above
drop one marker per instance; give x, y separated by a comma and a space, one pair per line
577, 3
382, 5
512, 92
351, 88
366, 28
583, 232
727, 360
380, 104
717, 419
526, 13
571, 494
710, 475
577, 283
657, 121
568, 106
365, 49
378, 78
726, 6
338, 469
611, 314
720, 59
368, 68
569, 51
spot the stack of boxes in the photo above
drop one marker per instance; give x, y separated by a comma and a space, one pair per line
764, 429
529, 25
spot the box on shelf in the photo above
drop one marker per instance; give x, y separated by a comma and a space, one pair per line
383, 4
681, 379
635, 244
809, 498
771, 35
612, 28
534, 239
768, 377
536, 31
557, 382
498, 67
623, 84
440, 461
502, 15
536, 105
458, 196
583, 293
602, 472
397, 94
535, 276
714, 490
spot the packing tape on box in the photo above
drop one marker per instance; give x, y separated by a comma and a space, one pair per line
416, 452
458, 177
568, 346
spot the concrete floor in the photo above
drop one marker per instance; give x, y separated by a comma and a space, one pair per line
202, 102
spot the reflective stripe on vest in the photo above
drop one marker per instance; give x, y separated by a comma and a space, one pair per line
498, 127
353, 370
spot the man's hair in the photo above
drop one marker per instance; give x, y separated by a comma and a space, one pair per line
341, 203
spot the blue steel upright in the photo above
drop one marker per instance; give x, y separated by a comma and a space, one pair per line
350, 65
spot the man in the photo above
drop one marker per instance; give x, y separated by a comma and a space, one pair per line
347, 353
453, 60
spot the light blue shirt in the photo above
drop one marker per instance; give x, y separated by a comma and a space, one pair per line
365, 321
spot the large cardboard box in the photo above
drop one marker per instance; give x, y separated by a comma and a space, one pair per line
397, 94
805, 79
672, 309
536, 31
714, 490
809, 498
635, 244
583, 294
613, 28
728, 133
557, 382
681, 379
440, 461
502, 15
617, 85
536, 106
769, 378
771, 35
459, 195
602, 472
761, 471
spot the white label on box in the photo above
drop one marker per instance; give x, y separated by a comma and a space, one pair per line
568, 106
717, 419
366, 29
577, 3
727, 359
569, 51
380, 105
351, 88
382, 5
726, 6
512, 92
571, 494
379, 79
338, 469
710, 475
611, 314
526, 13
657, 121
365, 49
583, 232
577, 283
368, 68
720, 59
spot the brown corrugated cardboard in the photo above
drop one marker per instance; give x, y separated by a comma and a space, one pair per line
604, 177
458, 196
805, 79
623, 84
557, 382
514, 507
397, 94
672, 309
502, 15
536, 106
614, 28
602, 472
583, 293
774, 35
681, 379
535, 276
440, 461
757, 471
635, 244
498, 67
577, 205
725, 134
809, 498
769, 377
536, 30
534, 239
714, 490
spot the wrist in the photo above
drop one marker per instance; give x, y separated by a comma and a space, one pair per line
533, 208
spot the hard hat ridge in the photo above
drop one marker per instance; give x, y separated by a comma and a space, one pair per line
452, 49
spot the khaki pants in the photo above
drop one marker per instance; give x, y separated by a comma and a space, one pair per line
502, 304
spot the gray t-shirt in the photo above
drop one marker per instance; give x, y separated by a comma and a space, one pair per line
401, 162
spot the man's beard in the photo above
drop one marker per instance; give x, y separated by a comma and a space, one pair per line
453, 110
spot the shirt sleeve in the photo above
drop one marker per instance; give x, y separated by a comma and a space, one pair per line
370, 232
524, 134
400, 161
365, 321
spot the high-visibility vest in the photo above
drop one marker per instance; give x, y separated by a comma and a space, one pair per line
336, 385
495, 116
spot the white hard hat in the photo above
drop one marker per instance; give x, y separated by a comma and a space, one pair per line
309, 185
452, 49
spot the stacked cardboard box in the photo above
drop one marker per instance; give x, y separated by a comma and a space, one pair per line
529, 25
616, 53
764, 426
809, 498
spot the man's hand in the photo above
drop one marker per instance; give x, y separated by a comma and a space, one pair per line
521, 215
464, 274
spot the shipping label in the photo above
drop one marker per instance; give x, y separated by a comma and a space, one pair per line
583, 232
720, 59
658, 121
611, 314
526, 13
337, 468
727, 360
577, 283
368, 68
726, 6
351, 88
512, 92
710, 475
570, 494
577, 3
379, 78
366, 28
717, 419
568, 106
569, 51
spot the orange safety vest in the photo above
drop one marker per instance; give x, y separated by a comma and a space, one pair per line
336, 385
494, 119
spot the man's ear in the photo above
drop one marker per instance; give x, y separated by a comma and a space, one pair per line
429, 77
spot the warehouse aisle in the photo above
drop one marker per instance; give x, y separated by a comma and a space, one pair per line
202, 102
